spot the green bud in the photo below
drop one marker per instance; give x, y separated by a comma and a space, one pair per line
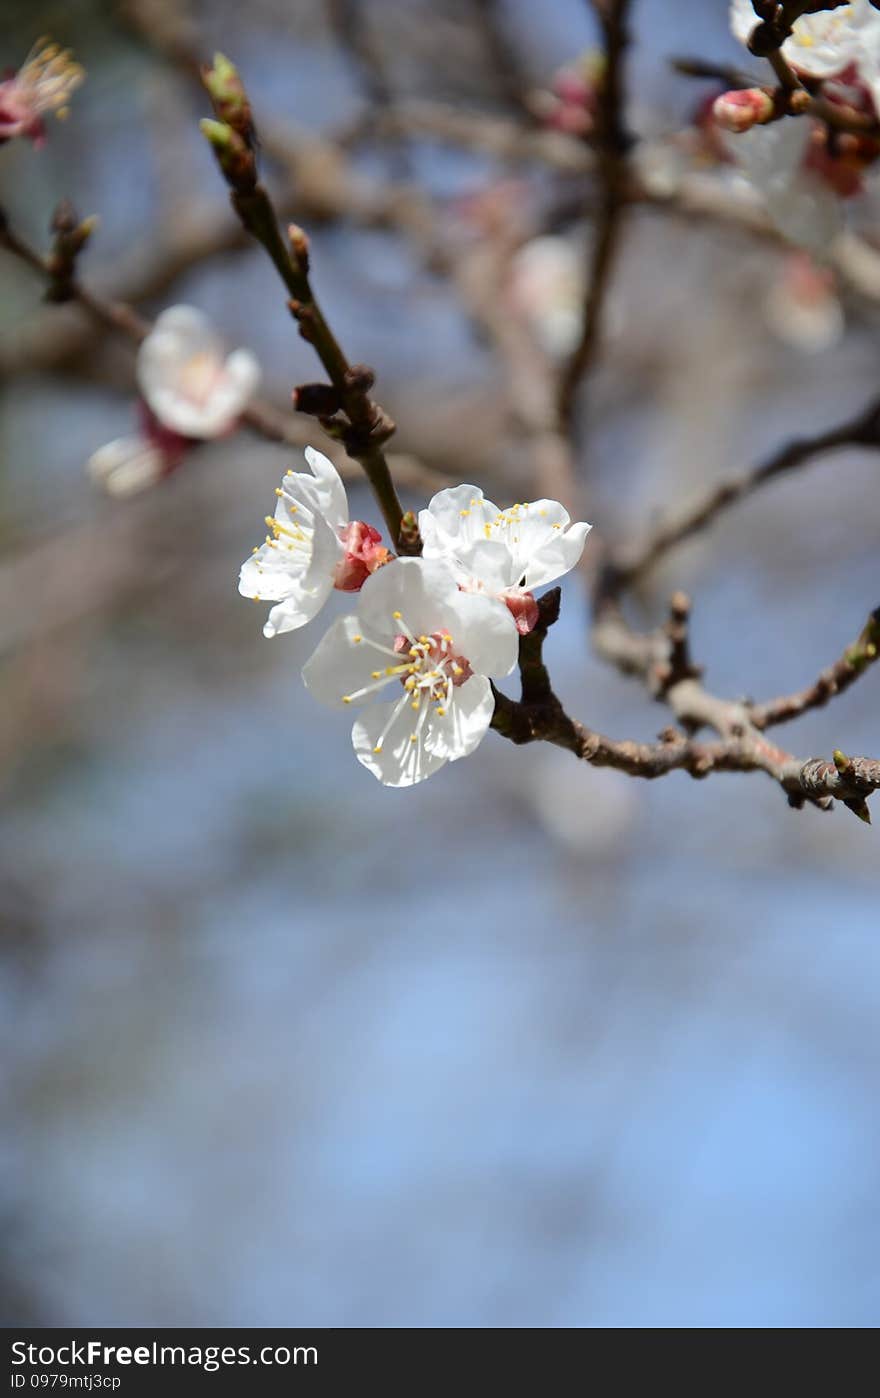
409, 540
234, 157
228, 97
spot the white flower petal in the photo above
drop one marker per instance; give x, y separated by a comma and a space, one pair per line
126, 465
742, 20
326, 484
346, 662
557, 556
821, 44
422, 591
185, 379
465, 722
297, 572
458, 515
229, 397
295, 611
801, 206
484, 632
486, 566
191, 330
243, 373
387, 743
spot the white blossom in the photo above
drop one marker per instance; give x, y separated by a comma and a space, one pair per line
186, 378
297, 565
433, 648
822, 45
505, 553
547, 281
828, 44
802, 308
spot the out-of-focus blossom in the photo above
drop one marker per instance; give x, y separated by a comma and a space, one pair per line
310, 549
501, 553
803, 308
44, 83
129, 465
775, 161
547, 288
571, 102
825, 44
187, 379
435, 647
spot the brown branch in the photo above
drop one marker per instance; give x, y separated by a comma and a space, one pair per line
358, 422
690, 194
538, 716
611, 142
261, 417
861, 430
834, 680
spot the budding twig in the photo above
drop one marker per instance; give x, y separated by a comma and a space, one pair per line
838, 677
362, 426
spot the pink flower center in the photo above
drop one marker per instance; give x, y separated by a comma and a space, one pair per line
434, 660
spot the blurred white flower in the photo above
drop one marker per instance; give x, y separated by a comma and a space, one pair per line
547, 288
803, 309
822, 45
504, 553
310, 549
186, 378
127, 465
802, 205
842, 43
437, 648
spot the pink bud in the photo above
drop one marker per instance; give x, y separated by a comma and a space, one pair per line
571, 87
741, 110
363, 555
522, 607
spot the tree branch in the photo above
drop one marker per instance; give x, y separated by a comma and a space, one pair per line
611, 142
834, 680
261, 417
538, 716
861, 430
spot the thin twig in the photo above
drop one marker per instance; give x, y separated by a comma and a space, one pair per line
538, 716
834, 680
611, 142
861, 430
262, 418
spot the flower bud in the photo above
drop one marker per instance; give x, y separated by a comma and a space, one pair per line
228, 97
234, 157
363, 554
409, 540
740, 110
